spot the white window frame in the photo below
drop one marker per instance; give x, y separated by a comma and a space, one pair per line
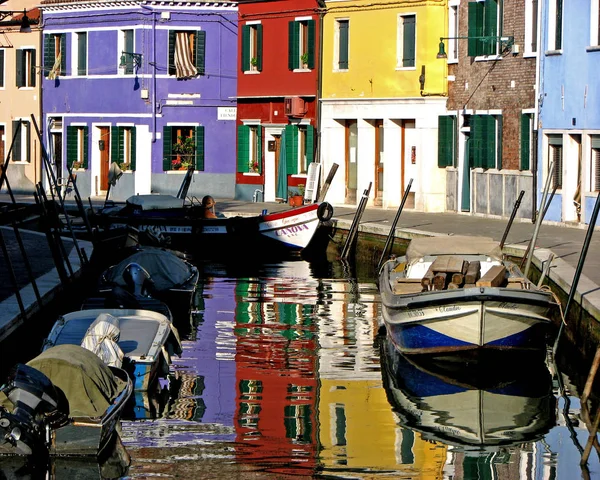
453, 19
75, 54
400, 41
594, 187
23, 134
121, 48
595, 23
336, 45
27, 65
531, 13
552, 25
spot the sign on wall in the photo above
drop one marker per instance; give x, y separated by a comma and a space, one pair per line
226, 113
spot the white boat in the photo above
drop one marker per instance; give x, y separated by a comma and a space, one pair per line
147, 339
490, 306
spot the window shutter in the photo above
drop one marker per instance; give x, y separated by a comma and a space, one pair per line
171, 61
477, 135
85, 146
1, 67
26, 126
259, 133
259, 47
115, 153
133, 148
498, 138
167, 148
596, 160
16, 153
525, 141
343, 46
408, 41
121, 147
293, 45
595, 141
49, 51
489, 141
81, 53
310, 145
475, 28
311, 43
243, 148
129, 48
245, 48
199, 140
63, 53
20, 56
445, 141
490, 26
32, 72
71, 146
558, 33
200, 51
557, 172
291, 149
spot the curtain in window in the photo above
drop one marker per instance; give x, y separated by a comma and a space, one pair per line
55, 68
184, 64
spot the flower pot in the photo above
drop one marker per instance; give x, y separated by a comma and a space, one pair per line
296, 200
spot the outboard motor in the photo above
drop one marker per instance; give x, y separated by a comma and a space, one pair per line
138, 280
35, 403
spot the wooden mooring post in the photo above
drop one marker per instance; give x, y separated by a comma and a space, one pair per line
351, 238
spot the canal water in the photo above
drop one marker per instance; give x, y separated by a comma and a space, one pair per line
285, 374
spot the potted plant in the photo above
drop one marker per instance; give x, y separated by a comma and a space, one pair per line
304, 60
125, 166
254, 63
296, 198
76, 165
185, 149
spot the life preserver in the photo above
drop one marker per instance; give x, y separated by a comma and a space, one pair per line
325, 212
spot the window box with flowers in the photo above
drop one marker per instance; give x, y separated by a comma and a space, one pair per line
77, 166
185, 149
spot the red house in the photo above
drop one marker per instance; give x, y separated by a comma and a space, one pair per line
278, 79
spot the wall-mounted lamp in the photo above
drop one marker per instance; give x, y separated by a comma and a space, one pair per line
136, 59
504, 41
24, 22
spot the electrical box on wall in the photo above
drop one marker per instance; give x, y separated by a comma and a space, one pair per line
294, 106
144, 94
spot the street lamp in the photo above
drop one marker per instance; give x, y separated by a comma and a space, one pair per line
24, 22
135, 57
505, 42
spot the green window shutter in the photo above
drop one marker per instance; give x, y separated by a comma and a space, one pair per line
243, 148
291, 149
115, 153
310, 145
167, 148
82, 54
71, 146
133, 148
475, 28
245, 48
199, 140
63, 53
129, 48
121, 144
259, 47
477, 127
32, 71
293, 45
27, 126
20, 69
488, 144
490, 26
311, 43
1, 67
48, 53
171, 58
445, 141
498, 120
525, 141
408, 41
16, 152
200, 51
85, 147
343, 45
259, 133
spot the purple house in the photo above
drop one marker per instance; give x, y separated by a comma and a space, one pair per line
149, 85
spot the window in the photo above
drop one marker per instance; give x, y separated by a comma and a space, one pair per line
526, 136
406, 41
301, 44
297, 420
343, 40
55, 55
81, 49
485, 26
453, 32
555, 19
595, 163
299, 148
531, 26
183, 146
555, 154
122, 147
252, 47
25, 67
77, 147
486, 141
126, 44
187, 53
446, 141
22, 145
1, 68
249, 149
595, 23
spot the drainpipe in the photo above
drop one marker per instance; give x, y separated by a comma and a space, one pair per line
319, 84
153, 64
536, 115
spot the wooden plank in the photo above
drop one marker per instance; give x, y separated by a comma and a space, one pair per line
453, 286
458, 278
473, 272
439, 281
428, 277
407, 288
469, 285
448, 264
408, 280
517, 280
494, 277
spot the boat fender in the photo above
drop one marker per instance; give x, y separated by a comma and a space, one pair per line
325, 212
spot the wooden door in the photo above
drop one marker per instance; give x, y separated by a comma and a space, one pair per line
104, 157
378, 196
277, 157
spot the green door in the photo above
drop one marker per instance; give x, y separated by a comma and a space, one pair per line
465, 202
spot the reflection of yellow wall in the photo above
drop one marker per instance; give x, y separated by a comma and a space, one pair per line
371, 432
373, 31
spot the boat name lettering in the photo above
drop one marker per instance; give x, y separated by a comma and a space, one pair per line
508, 306
291, 230
416, 313
449, 308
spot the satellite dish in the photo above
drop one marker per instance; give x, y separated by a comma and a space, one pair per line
114, 173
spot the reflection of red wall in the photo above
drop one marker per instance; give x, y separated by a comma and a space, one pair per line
278, 363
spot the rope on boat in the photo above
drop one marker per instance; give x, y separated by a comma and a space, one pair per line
546, 288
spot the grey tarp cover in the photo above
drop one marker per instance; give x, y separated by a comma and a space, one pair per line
155, 202
166, 269
88, 384
452, 245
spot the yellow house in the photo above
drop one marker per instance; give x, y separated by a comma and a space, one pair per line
382, 91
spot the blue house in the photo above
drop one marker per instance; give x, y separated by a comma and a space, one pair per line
148, 85
569, 101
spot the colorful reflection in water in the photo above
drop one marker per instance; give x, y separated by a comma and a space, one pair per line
283, 374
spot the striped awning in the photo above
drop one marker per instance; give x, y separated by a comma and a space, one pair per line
184, 65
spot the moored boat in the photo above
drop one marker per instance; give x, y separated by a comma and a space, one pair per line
458, 294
